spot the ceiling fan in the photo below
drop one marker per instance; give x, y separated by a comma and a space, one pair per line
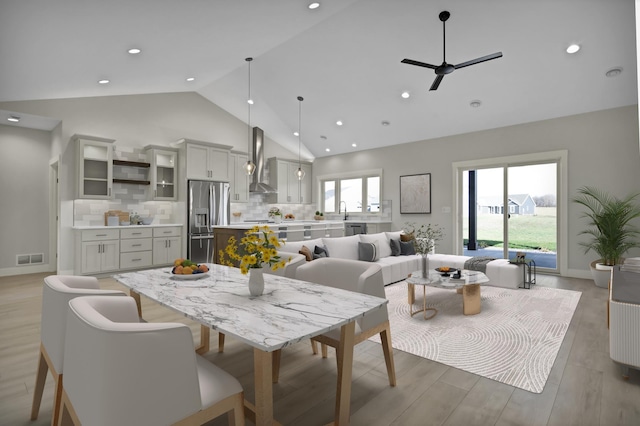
445, 68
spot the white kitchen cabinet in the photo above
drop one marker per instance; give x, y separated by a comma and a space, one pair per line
99, 251
166, 245
208, 162
282, 176
95, 167
240, 181
136, 247
163, 173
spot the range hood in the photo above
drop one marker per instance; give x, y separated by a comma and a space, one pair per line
258, 186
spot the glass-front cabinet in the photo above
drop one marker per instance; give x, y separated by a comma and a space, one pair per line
95, 164
164, 173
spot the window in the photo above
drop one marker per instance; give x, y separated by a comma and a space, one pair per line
359, 194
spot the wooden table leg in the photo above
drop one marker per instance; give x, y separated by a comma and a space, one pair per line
262, 371
204, 340
136, 297
411, 293
471, 299
345, 371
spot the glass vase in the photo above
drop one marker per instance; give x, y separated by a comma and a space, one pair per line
256, 281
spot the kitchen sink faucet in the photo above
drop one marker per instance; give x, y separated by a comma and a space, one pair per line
346, 216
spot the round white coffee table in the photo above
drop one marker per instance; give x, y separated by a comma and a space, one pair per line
468, 284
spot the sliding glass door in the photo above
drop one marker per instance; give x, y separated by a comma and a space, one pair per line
511, 208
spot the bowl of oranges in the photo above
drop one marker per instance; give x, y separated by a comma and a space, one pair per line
445, 271
184, 269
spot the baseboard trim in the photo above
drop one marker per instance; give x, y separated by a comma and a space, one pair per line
24, 270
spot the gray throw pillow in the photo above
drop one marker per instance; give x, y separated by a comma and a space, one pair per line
367, 252
407, 248
319, 252
395, 247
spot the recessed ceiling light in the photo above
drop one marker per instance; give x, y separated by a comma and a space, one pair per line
385, 123
339, 123
134, 51
573, 48
250, 101
296, 134
327, 149
13, 119
103, 81
475, 104
614, 72
314, 5
354, 145
405, 95
191, 79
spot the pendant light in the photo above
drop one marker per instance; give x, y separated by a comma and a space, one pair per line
299, 172
249, 167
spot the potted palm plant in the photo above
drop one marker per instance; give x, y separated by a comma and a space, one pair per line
610, 229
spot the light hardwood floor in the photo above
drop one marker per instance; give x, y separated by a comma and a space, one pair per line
585, 387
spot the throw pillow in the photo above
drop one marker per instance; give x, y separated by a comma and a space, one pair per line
384, 250
395, 247
407, 248
320, 252
406, 237
367, 252
307, 253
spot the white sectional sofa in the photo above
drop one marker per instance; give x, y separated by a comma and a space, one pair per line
396, 268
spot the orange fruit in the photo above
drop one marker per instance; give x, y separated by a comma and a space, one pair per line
203, 268
178, 270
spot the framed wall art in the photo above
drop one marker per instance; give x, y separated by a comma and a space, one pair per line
415, 194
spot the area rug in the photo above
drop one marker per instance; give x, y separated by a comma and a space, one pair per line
514, 339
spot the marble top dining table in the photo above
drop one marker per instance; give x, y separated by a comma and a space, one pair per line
288, 312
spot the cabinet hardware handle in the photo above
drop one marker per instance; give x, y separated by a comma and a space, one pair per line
136, 260
136, 233
136, 245
101, 235
169, 241
165, 244
166, 232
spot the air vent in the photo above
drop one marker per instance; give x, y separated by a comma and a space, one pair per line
29, 259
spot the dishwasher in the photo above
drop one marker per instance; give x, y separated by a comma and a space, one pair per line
354, 228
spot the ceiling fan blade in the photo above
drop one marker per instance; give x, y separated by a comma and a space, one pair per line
436, 82
478, 60
417, 63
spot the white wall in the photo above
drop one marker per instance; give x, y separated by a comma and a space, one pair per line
602, 151
24, 197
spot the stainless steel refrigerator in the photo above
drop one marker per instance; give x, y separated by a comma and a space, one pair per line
209, 205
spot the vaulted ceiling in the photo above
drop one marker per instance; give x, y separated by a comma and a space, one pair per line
343, 58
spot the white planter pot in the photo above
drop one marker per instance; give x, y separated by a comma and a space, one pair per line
601, 274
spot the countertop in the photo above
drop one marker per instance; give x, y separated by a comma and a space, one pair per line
153, 225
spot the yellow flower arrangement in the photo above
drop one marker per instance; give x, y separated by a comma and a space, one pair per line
256, 249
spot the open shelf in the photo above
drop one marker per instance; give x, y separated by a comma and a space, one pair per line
133, 181
131, 164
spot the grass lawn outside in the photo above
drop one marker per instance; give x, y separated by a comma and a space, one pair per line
537, 232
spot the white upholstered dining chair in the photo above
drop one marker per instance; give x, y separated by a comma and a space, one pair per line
360, 277
57, 291
119, 371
